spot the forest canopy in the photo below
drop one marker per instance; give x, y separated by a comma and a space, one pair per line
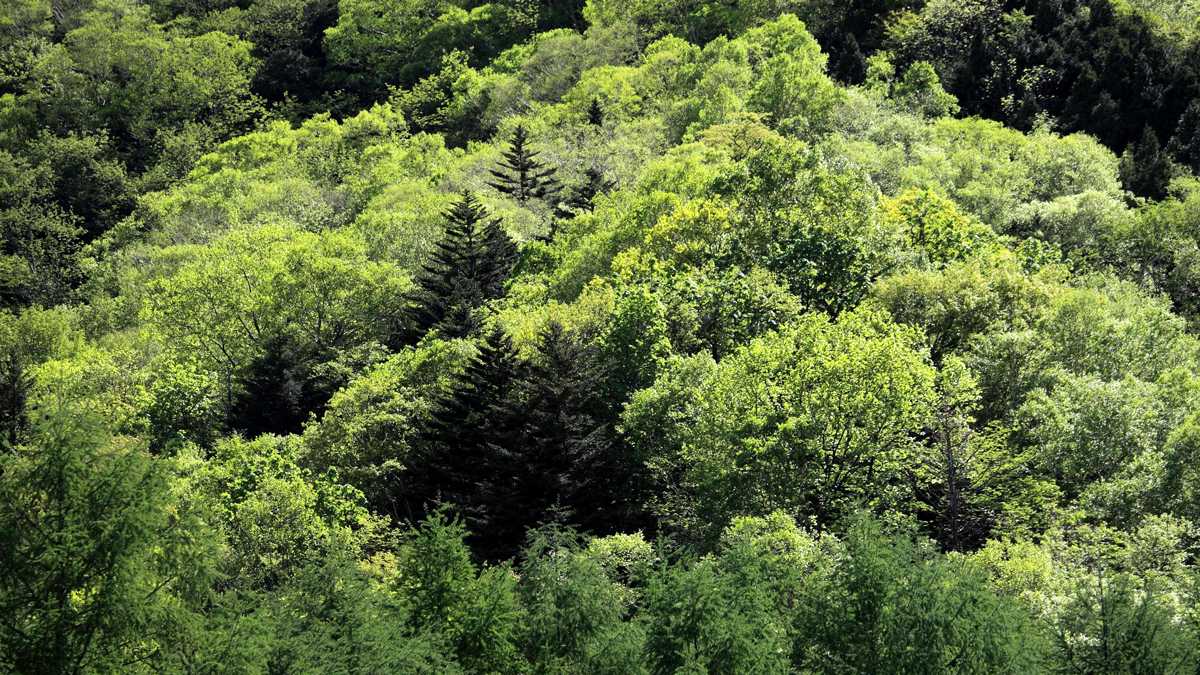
653, 336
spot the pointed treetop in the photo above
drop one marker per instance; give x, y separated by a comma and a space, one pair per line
583, 197
521, 175
595, 113
467, 268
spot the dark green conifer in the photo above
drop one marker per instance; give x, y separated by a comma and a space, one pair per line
595, 113
582, 198
1185, 144
457, 448
521, 175
849, 64
467, 269
14, 392
560, 454
1145, 168
281, 389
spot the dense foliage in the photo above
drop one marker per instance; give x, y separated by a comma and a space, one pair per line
640, 336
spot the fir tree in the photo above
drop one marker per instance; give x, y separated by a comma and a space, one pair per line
281, 389
14, 391
458, 445
849, 63
1145, 168
560, 455
467, 269
1185, 144
521, 175
583, 197
595, 113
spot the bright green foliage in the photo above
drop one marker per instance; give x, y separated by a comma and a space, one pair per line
277, 518
575, 613
97, 555
934, 226
318, 175
896, 607
370, 429
477, 611
965, 299
813, 364
920, 91
227, 301
811, 420
810, 226
1112, 329
1086, 429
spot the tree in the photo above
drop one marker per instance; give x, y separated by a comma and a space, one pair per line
849, 62
574, 614
1111, 623
476, 611
582, 198
960, 476
702, 619
895, 606
812, 420
466, 270
521, 175
920, 91
559, 454
1145, 168
94, 552
158, 92
1185, 144
458, 458
279, 390
811, 226
14, 392
371, 433
595, 113
260, 301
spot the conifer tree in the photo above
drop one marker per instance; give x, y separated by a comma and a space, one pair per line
457, 447
280, 389
1185, 144
521, 175
467, 269
582, 198
1145, 168
14, 391
96, 553
849, 62
560, 454
595, 113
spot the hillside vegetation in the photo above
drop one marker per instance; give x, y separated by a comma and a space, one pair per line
651, 336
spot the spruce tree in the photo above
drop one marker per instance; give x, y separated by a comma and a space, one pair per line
456, 455
467, 269
281, 388
1185, 144
595, 113
849, 62
1145, 168
582, 198
559, 453
521, 175
14, 391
